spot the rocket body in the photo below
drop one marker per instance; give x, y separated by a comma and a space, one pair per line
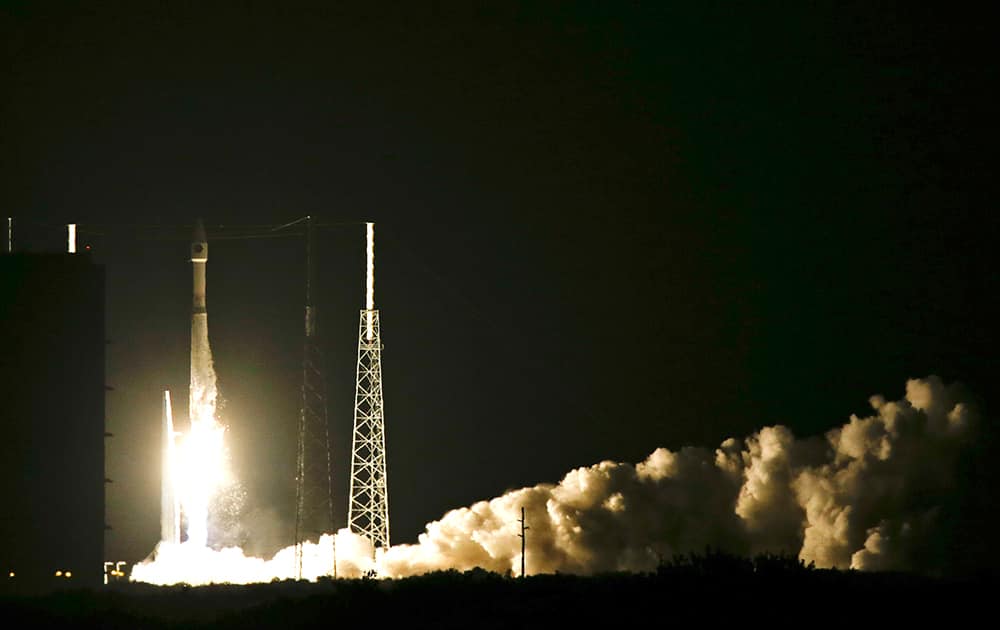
202, 373
199, 260
203, 390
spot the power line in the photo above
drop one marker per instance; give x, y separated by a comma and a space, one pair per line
181, 232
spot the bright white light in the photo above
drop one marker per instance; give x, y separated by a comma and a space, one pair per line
201, 469
201, 458
72, 238
195, 565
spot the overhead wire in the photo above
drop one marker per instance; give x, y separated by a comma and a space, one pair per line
181, 232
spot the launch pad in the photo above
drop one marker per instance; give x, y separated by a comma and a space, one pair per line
195, 464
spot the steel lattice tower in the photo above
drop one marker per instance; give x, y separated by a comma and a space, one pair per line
368, 509
313, 489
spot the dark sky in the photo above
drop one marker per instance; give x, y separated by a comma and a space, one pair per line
600, 228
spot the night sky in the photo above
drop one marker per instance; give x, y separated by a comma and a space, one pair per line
600, 228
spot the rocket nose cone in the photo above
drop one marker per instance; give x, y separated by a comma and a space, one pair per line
199, 232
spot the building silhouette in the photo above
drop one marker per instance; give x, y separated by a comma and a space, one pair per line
52, 395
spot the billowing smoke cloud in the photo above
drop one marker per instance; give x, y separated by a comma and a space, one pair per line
869, 496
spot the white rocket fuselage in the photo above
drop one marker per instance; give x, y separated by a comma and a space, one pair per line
199, 258
201, 358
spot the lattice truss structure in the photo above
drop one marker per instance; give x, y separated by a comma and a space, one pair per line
313, 481
314, 504
368, 511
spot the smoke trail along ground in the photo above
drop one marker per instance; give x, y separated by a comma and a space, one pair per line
868, 495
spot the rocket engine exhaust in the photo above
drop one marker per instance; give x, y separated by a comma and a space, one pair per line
170, 511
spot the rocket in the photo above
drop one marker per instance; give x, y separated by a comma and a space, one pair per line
202, 394
205, 433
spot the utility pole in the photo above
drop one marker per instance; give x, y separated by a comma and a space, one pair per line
524, 528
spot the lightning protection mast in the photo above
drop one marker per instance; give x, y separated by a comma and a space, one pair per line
313, 489
368, 508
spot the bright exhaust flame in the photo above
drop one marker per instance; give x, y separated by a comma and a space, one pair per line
202, 469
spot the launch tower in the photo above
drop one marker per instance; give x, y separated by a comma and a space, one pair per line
368, 509
313, 490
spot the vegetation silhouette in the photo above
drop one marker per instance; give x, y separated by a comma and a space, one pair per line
713, 587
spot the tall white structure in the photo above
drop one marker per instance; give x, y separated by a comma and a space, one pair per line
368, 508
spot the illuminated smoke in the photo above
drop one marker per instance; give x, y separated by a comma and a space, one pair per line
196, 565
868, 497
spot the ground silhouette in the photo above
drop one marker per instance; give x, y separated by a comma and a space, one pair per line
710, 588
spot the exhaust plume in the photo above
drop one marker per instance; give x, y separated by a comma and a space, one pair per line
872, 494
868, 496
